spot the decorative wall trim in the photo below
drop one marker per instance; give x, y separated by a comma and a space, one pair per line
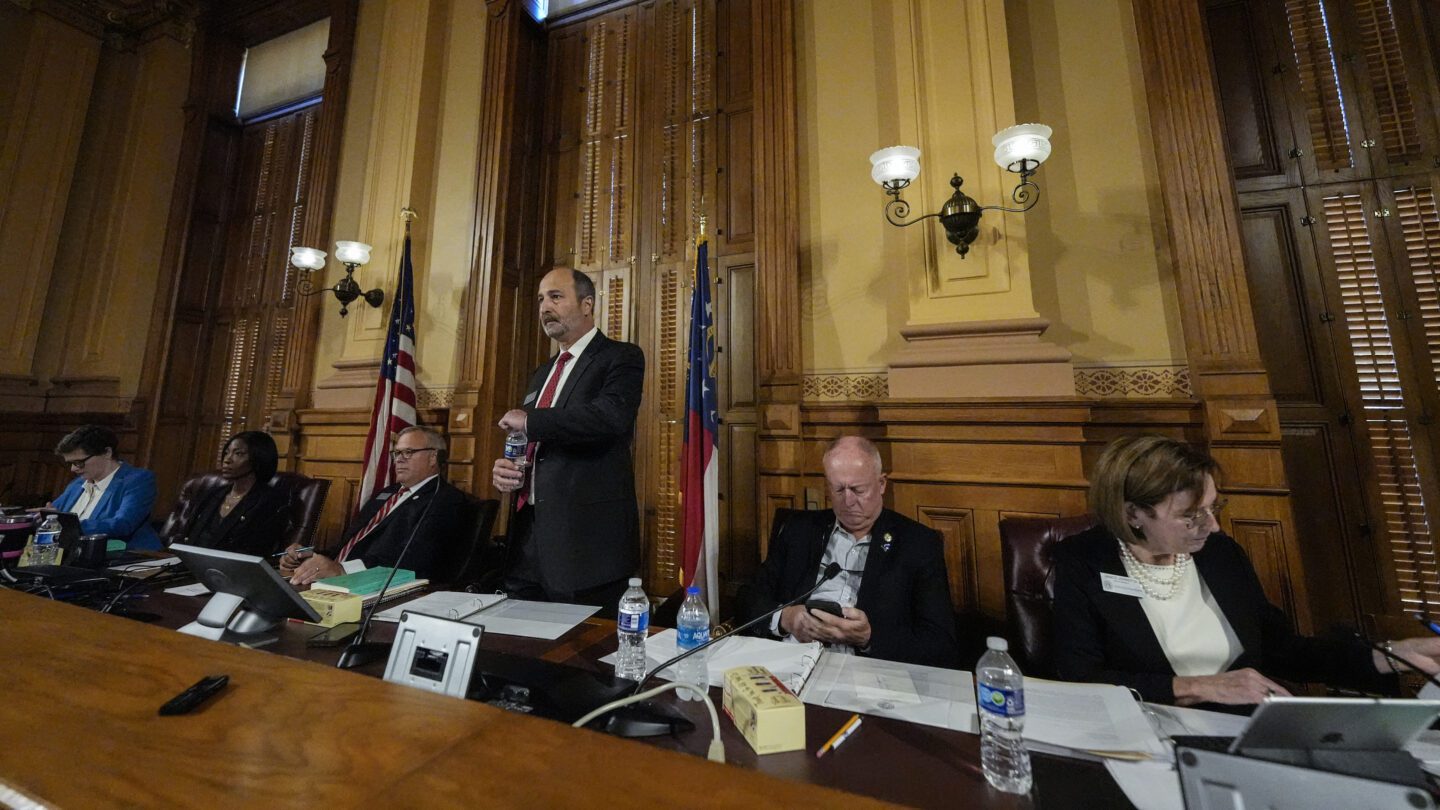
441, 397
1134, 382
831, 387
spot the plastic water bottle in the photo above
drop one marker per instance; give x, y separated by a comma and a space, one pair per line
692, 629
1001, 695
632, 628
515, 444
47, 542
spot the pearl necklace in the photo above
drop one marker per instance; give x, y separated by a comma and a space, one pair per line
1149, 582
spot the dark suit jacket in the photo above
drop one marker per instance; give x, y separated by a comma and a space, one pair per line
257, 525
587, 528
904, 591
442, 527
1105, 638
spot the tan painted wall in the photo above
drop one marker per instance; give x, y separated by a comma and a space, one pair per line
410, 137
1094, 245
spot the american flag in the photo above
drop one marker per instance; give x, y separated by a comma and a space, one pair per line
699, 475
395, 390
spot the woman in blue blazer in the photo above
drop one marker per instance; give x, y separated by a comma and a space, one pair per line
123, 495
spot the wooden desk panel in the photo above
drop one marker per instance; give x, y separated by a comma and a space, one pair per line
287, 732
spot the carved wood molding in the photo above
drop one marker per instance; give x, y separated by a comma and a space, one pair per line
777, 238
1199, 199
320, 206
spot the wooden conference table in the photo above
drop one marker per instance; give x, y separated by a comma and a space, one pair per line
80, 729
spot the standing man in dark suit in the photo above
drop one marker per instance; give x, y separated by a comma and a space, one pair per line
381, 529
576, 535
892, 586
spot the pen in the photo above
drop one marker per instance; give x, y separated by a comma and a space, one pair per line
297, 551
840, 736
1429, 623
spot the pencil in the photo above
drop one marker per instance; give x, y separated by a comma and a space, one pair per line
840, 736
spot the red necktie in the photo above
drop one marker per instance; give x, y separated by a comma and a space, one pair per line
547, 396
375, 521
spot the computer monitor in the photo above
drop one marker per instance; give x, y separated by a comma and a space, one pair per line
250, 597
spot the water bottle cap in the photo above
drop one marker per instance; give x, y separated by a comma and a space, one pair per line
634, 582
997, 643
693, 590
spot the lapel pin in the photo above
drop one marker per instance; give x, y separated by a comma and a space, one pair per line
885, 546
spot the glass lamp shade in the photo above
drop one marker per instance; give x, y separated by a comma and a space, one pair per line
307, 258
1022, 142
352, 252
895, 164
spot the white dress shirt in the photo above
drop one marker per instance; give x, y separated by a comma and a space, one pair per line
851, 552
90, 495
576, 349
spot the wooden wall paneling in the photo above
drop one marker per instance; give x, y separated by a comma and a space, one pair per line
298, 363
733, 302
1298, 342
1259, 136
1205, 237
734, 226
499, 341
777, 233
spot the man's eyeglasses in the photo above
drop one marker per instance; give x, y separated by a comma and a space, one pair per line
397, 455
76, 463
1202, 516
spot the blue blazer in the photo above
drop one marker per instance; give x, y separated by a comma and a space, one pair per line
124, 510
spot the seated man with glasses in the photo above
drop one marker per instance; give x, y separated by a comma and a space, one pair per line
420, 501
109, 496
892, 587
1157, 598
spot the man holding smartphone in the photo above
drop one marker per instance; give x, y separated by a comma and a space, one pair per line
892, 595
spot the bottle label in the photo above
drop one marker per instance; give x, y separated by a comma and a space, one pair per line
46, 538
1004, 702
634, 622
688, 638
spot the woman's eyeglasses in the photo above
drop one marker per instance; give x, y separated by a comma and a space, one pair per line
1202, 516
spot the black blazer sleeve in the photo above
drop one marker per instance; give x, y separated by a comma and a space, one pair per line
1084, 648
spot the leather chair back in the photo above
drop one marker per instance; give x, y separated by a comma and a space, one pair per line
475, 559
305, 495
1027, 549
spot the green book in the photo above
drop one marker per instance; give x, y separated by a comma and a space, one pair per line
366, 582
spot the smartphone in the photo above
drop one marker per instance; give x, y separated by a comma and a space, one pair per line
827, 606
332, 636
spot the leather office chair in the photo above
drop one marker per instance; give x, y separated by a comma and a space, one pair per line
1027, 549
306, 496
476, 562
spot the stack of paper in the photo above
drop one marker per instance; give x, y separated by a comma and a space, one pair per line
453, 605
517, 617
929, 696
791, 663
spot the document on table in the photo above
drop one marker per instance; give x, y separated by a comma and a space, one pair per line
194, 589
791, 663
1088, 717
926, 695
517, 617
454, 605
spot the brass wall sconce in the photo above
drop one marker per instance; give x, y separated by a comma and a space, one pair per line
1019, 149
350, 254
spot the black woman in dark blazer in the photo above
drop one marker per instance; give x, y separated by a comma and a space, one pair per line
1158, 599
246, 515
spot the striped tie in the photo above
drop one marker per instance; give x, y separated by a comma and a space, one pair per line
547, 396
375, 521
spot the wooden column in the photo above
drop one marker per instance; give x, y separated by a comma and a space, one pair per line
1241, 422
777, 237
319, 211
498, 337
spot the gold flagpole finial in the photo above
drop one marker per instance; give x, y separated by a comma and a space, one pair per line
702, 226
408, 214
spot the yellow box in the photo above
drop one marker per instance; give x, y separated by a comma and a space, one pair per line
768, 715
334, 607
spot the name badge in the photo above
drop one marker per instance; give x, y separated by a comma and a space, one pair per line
1124, 586
530, 397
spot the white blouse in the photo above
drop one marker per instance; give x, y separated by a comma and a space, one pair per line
1193, 632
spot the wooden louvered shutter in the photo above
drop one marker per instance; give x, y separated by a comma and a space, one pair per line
1310, 34
1399, 131
1382, 418
1420, 230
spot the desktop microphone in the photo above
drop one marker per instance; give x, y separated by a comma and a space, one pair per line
1392, 658
360, 652
831, 571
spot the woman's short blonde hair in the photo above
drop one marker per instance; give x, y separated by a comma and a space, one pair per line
1145, 469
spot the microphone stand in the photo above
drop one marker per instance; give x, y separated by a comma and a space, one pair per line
831, 571
361, 652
